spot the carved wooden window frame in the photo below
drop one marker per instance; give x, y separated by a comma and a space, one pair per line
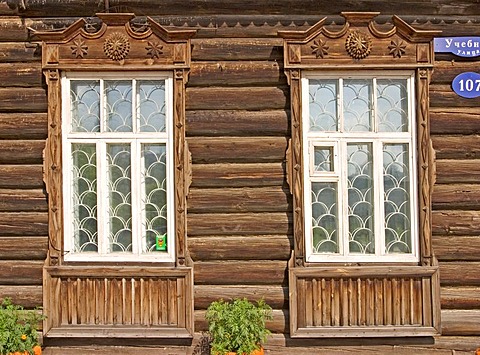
102, 300
358, 299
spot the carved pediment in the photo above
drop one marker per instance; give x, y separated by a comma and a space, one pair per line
359, 42
117, 43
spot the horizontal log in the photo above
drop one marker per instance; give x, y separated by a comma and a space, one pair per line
238, 98
223, 49
445, 71
269, 199
278, 323
23, 100
23, 125
459, 343
237, 175
26, 296
23, 201
459, 248
238, 73
454, 223
461, 322
454, 120
21, 151
442, 95
21, 176
459, 273
458, 171
456, 147
23, 248
237, 150
23, 223
240, 248
275, 296
19, 52
461, 196
237, 123
460, 297
241, 273
21, 272
21, 74
239, 224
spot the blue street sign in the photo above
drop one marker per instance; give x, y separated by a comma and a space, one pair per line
461, 46
467, 85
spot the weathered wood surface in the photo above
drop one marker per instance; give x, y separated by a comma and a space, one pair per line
237, 123
457, 147
461, 297
459, 273
456, 196
455, 120
23, 100
461, 322
20, 74
19, 52
23, 125
453, 223
21, 176
442, 95
237, 175
455, 247
451, 171
268, 199
446, 71
23, 223
21, 272
23, 200
201, 224
25, 295
21, 151
223, 49
237, 98
240, 248
23, 248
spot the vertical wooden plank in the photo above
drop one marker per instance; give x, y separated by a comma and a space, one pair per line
164, 301
56, 313
403, 302
335, 302
325, 302
111, 301
89, 300
427, 301
308, 303
317, 303
172, 302
418, 313
352, 310
411, 294
387, 284
378, 289
154, 301
395, 301
359, 301
63, 301
370, 297
181, 307
144, 309
344, 302
137, 311
363, 302
301, 316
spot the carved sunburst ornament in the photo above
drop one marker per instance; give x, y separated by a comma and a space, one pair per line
319, 48
116, 46
358, 45
397, 49
154, 49
79, 49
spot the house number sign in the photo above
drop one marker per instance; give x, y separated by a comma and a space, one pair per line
467, 85
461, 46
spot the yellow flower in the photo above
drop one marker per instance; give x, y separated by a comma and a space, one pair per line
24, 337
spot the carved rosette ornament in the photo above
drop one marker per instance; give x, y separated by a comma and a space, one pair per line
116, 46
358, 45
79, 48
397, 48
319, 48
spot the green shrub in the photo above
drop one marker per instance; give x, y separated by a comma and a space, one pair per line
237, 326
18, 328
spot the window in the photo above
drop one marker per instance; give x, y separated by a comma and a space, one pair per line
360, 185
118, 167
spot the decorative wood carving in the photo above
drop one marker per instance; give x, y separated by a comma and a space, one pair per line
360, 44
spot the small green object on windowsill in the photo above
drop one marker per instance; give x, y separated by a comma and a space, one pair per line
161, 242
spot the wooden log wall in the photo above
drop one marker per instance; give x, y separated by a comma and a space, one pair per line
239, 207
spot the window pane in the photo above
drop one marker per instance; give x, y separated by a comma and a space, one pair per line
119, 106
324, 217
323, 159
119, 197
360, 198
152, 106
85, 105
154, 177
392, 105
84, 198
357, 106
396, 174
323, 105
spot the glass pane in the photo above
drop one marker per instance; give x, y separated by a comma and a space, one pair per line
154, 176
119, 106
119, 197
323, 105
84, 198
396, 181
392, 105
360, 198
324, 217
357, 106
85, 105
323, 159
152, 106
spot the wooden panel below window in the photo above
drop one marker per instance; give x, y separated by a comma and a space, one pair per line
110, 302
363, 301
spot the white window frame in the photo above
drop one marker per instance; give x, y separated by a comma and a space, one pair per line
101, 139
339, 141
